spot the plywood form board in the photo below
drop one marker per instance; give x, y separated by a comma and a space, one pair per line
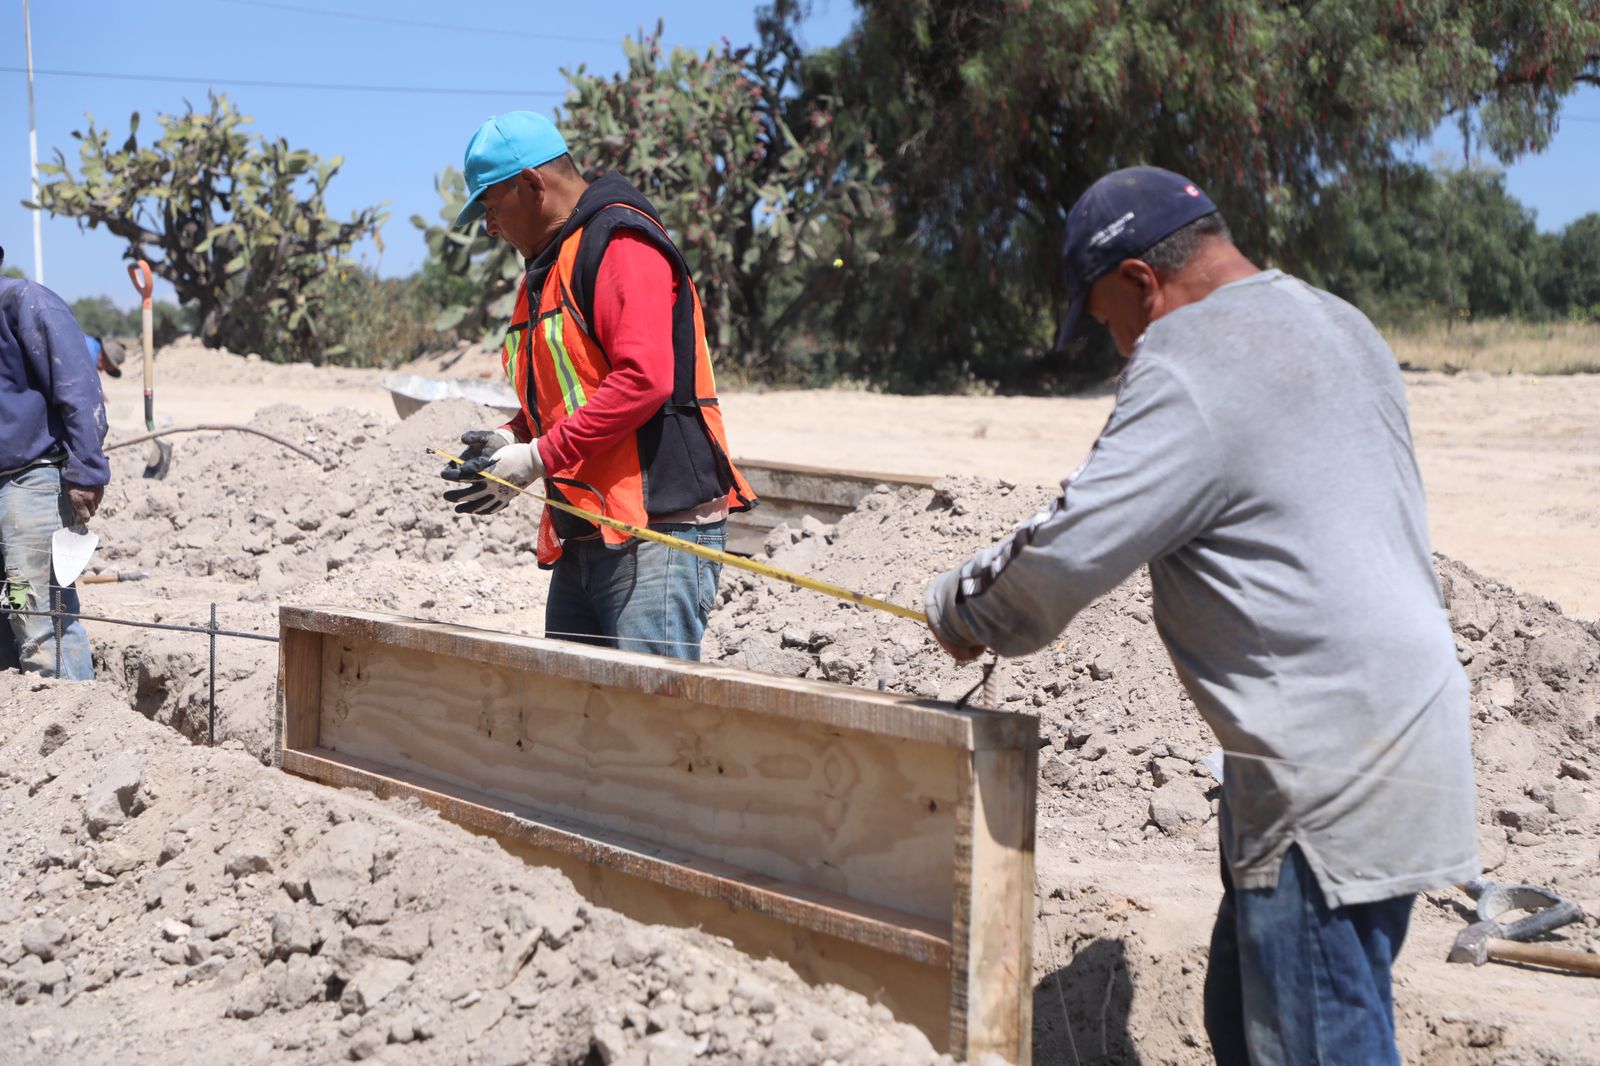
866, 823
796, 699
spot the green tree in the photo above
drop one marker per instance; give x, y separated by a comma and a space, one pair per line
99, 317
1429, 243
994, 115
1571, 276
380, 321
234, 221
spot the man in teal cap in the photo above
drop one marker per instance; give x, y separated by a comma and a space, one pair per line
607, 353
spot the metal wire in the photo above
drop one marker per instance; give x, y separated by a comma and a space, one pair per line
217, 428
141, 625
988, 668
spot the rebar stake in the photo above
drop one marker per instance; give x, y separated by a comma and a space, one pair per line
211, 717
55, 624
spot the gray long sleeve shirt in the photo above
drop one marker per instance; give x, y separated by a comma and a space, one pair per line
1259, 459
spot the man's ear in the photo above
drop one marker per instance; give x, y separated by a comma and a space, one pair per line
1138, 273
534, 182
1142, 276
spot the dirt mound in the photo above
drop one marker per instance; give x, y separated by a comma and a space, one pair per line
466, 359
162, 902
1127, 857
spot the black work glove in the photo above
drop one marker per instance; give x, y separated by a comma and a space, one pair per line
492, 450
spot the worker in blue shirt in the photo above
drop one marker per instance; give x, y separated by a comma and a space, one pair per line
53, 470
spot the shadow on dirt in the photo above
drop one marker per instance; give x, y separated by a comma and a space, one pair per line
1080, 1012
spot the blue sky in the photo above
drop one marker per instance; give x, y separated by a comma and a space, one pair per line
394, 142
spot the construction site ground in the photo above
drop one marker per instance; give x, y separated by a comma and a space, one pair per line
156, 900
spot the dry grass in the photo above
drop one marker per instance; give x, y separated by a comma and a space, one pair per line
1501, 346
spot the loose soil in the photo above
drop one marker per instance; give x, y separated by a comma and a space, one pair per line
1127, 881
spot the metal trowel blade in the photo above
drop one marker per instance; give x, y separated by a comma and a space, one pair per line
71, 549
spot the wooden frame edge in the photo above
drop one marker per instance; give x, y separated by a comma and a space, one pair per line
841, 706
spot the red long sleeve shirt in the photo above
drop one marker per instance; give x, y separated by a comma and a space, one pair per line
634, 293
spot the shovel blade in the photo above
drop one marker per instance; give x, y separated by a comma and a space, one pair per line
71, 549
158, 461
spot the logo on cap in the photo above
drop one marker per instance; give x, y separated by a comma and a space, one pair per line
1106, 233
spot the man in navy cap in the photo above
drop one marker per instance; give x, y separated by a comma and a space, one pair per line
607, 353
1259, 460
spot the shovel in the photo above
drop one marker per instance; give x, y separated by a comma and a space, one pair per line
1490, 939
159, 459
71, 548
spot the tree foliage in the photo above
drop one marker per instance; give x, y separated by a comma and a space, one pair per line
234, 221
1570, 280
995, 115
1429, 244
99, 316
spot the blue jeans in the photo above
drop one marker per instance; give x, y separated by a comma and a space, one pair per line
1292, 982
33, 505
641, 596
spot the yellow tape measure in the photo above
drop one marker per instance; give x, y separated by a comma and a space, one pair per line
725, 558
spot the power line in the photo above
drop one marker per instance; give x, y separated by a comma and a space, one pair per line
418, 23
421, 90
1577, 118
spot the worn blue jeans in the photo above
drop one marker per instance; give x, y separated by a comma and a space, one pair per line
33, 505
1292, 982
641, 597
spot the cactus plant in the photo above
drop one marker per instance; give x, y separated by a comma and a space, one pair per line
234, 221
770, 204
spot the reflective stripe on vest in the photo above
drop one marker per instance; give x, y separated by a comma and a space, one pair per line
511, 351
572, 394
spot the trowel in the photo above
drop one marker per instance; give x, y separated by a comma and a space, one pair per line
71, 548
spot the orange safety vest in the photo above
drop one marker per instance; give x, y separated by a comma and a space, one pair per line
679, 458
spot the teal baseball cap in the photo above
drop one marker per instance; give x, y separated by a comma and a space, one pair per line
502, 148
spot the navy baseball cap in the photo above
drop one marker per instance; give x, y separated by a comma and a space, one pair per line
501, 148
1122, 215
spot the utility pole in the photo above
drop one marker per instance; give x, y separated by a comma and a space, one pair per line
33, 153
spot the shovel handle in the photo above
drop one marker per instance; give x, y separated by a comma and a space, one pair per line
1567, 959
144, 282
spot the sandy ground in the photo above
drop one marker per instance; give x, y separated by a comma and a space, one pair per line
1511, 463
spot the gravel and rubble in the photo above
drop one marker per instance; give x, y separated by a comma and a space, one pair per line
1127, 848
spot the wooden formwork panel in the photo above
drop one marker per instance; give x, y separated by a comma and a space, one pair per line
881, 842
